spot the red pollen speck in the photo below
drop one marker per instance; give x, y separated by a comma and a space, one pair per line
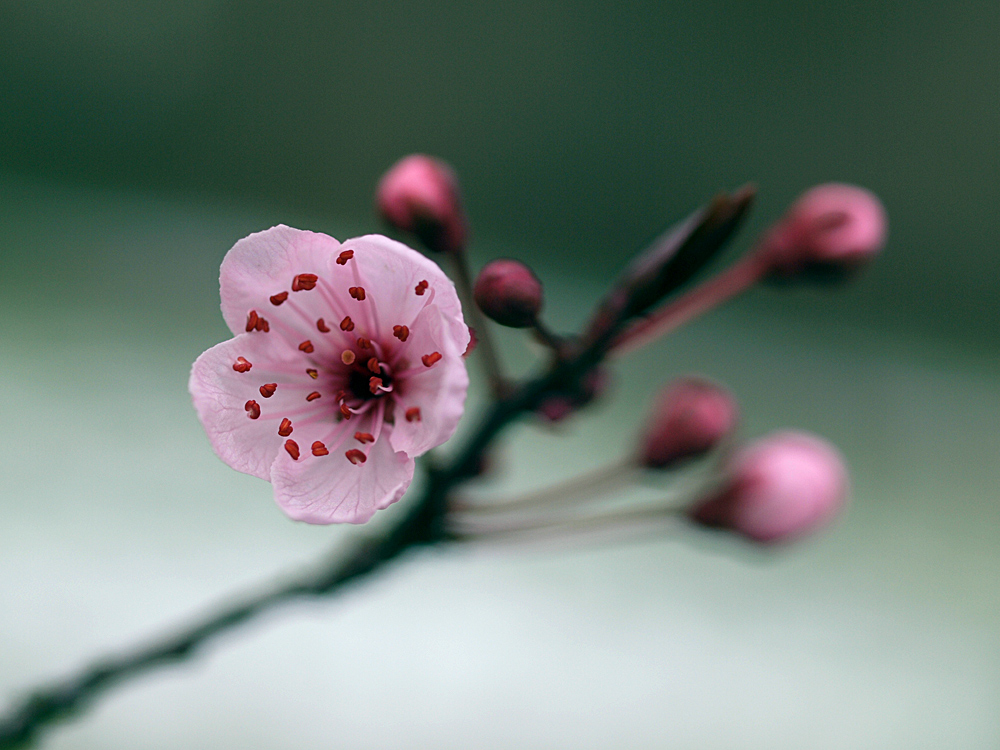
373, 366
413, 414
421, 288
318, 449
374, 384
306, 346
430, 359
345, 410
358, 292
252, 409
355, 456
285, 428
241, 365
347, 324
322, 326
364, 437
401, 332
364, 344
344, 257
267, 390
313, 396
277, 299
263, 325
304, 282
293, 449
252, 320
312, 373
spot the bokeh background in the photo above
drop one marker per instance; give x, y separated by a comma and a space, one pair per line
138, 141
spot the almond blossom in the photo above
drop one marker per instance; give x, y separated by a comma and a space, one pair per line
346, 364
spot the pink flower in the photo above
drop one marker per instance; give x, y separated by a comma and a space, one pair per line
346, 363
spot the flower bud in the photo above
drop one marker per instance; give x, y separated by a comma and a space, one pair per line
829, 231
690, 417
593, 385
508, 293
420, 195
777, 489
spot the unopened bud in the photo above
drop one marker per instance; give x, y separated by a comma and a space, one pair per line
829, 231
592, 386
690, 418
508, 293
780, 488
420, 195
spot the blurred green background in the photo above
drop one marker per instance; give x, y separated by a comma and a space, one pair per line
138, 141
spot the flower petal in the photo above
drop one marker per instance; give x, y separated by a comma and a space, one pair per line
331, 489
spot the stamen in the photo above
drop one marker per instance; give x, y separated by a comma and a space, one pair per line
318, 449
413, 414
312, 373
267, 390
348, 357
313, 396
364, 344
355, 456
262, 324
373, 366
293, 449
285, 428
364, 437
252, 409
374, 384
306, 346
252, 320
241, 365
358, 292
347, 324
421, 288
401, 332
304, 282
430, 359
277, 299
344, 257
345, 410
322, 326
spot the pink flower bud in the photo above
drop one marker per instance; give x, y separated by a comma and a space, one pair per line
508, 293
690, 417
779, 488
420, 195
831, 229
557, 408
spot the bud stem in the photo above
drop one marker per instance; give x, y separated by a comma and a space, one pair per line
491, 362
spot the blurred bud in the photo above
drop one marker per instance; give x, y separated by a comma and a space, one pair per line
509, 293
691, 416
830, 230
593, 385
420, 195
779, 488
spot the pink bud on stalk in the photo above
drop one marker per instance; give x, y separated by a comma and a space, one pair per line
592, 386
832, 228
420, 195
509, 293
691, 416
777, 489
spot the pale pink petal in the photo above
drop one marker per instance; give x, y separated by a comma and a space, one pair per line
330, 489
437, 391
221, 394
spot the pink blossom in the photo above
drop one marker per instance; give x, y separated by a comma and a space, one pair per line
346, 363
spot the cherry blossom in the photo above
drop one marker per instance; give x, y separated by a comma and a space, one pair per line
346, 363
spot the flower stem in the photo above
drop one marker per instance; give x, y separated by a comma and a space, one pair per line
491, 363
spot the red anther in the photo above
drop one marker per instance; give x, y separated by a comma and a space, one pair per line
293, 449
421, 288
252, 409
364, 437
345, 410
267, 390
374, 384
472, 342
430, 359
364, 344
358, 292
312, 373
347, 324
263, 325
285, 428
319, 449
252, 320
344, 257
313, 396
304, 282
241, 365
340, 396
277, 299
348, 357
401, 332
373, 366
322, 326
355, 456
413, 414
306, 346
